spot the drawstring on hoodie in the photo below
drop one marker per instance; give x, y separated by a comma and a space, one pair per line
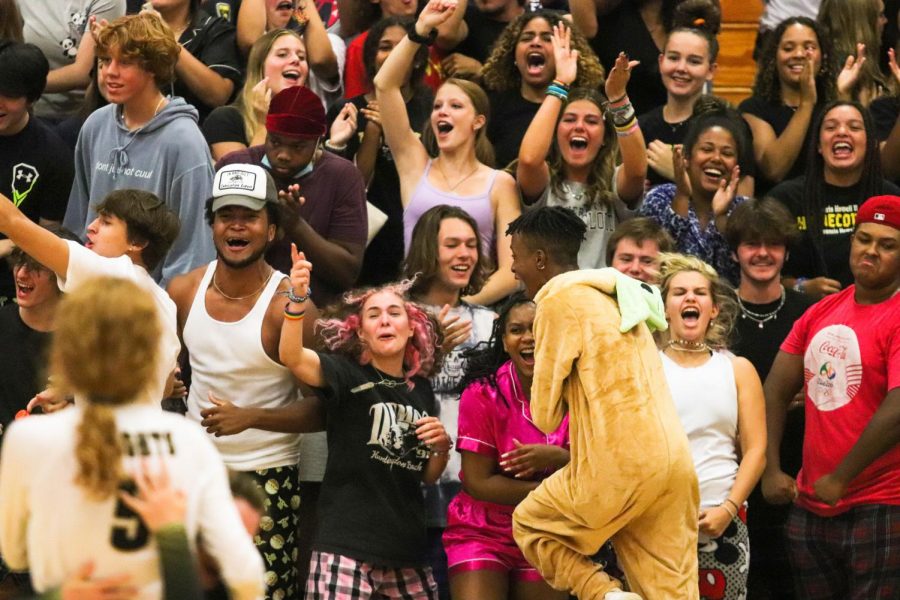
118, 157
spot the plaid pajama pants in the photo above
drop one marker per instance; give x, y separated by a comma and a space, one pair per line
336, 577
852, 556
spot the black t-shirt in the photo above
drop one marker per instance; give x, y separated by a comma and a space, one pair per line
212, 41
655, 127
371, 507
778, 117
23, 370
384, 255
624, 30
839, 218
511, 115
36, 171
483, 32
759, 346
225, 124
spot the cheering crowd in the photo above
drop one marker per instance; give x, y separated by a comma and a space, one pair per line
472, 300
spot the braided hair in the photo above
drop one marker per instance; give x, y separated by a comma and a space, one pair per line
559, 232
485, 358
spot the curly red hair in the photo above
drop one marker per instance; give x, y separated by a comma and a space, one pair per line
340, 331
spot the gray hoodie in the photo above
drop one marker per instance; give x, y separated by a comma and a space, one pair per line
168, 156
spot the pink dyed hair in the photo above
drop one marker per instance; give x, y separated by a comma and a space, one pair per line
423, 350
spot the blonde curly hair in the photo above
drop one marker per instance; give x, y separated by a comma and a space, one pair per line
500, 72
104, 348
144, 38
718, 333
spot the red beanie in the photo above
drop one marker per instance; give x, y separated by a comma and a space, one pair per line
296, 112
884, 210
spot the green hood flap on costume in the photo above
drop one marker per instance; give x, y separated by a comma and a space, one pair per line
638, 301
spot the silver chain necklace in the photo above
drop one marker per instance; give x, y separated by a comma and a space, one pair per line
761, 318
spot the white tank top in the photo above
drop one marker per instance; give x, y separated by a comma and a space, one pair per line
706, 400
228, 359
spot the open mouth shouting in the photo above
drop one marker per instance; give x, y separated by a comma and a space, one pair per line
444, 127
842, 150
535, 63
284, 6
690, 315
292, 75
23, 289
236, 244
578, 143
527, 355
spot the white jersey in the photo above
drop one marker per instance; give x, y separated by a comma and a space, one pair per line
85, 264
50, 527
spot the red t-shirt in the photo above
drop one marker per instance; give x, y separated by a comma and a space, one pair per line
356, 82
851, 359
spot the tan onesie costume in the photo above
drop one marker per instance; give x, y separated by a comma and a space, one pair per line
631, 476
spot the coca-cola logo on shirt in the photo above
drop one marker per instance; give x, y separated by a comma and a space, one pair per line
832, 367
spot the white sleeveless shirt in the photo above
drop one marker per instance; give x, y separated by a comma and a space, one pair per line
228, 360
706, 400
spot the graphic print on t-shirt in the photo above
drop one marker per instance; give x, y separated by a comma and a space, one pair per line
833, 367
836, 220
23, 179
394, 435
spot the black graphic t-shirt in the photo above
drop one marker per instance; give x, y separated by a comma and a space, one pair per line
36, 171
839, 206
371, 507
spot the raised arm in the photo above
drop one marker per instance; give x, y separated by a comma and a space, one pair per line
42, 245
502, 282
322, 60
302, 362
406, 148
890, 148
631, 175
454, 30
584, 13
775, 155
251, 24
532, 172
784, 381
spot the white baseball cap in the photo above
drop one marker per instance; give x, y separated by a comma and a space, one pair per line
245, 185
